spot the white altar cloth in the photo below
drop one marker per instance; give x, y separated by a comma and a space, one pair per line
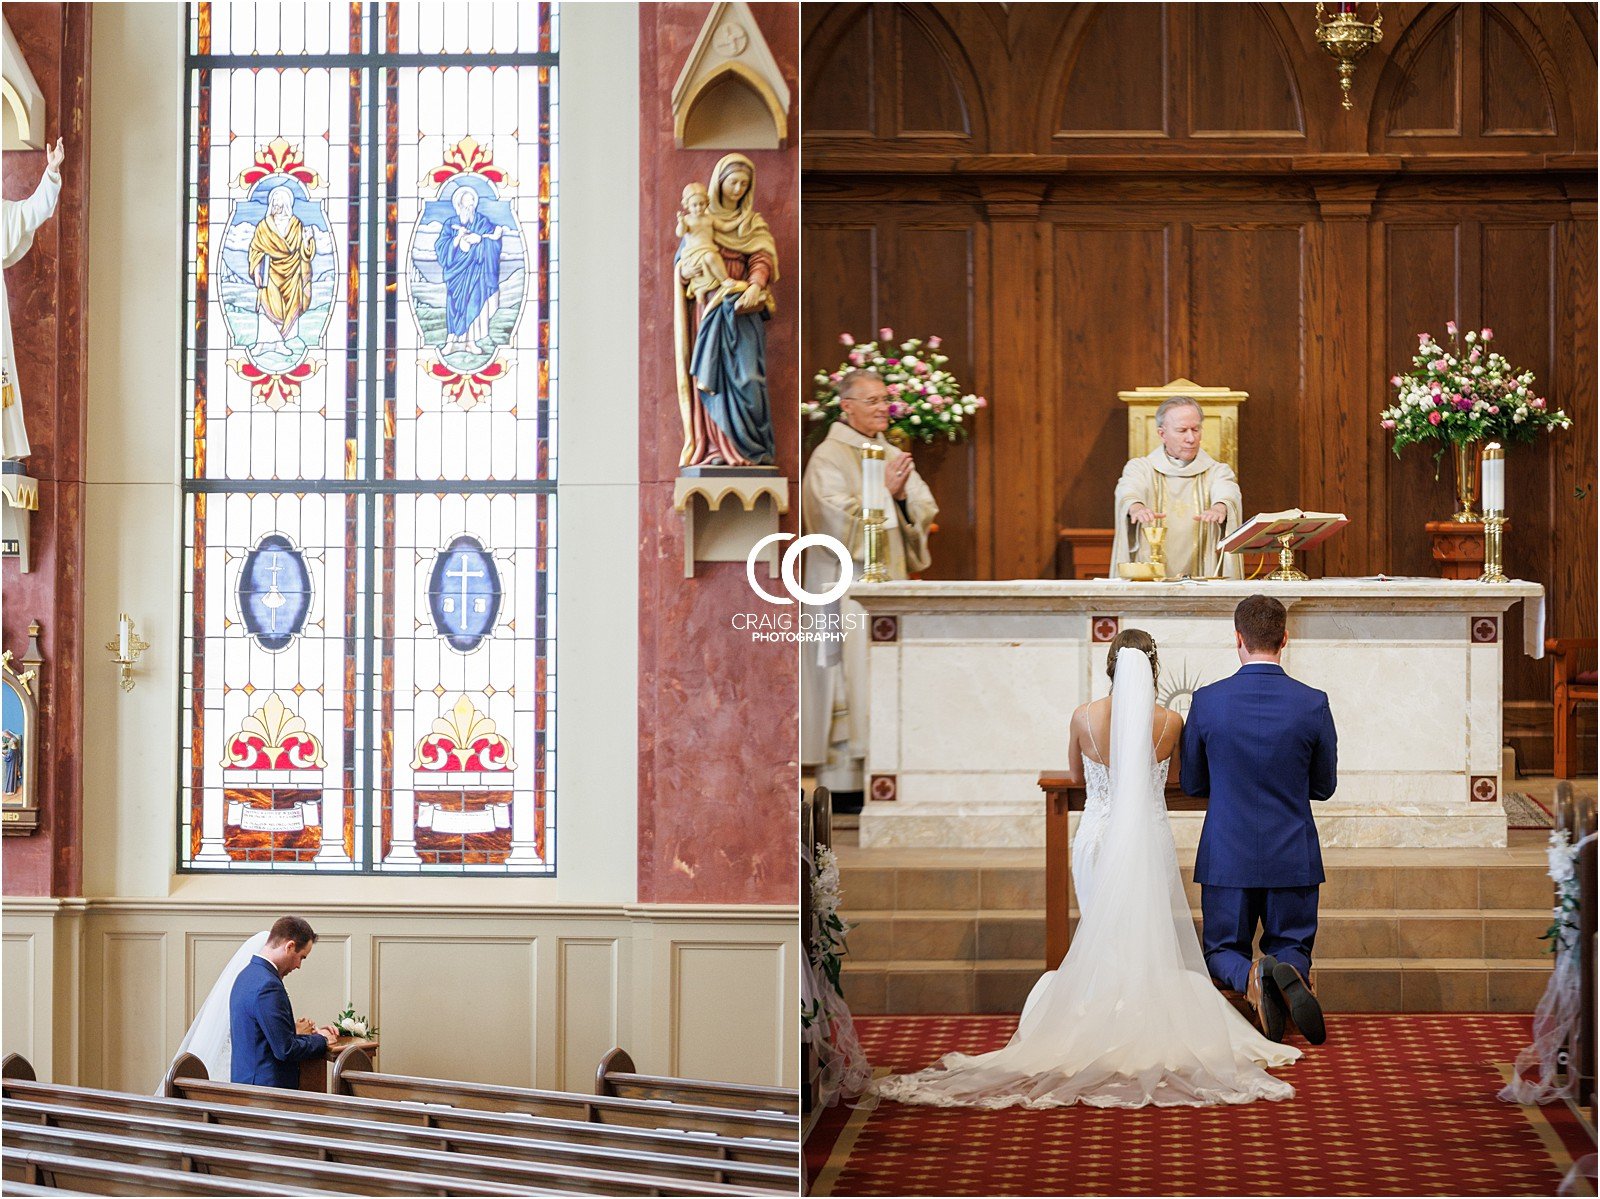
973, 684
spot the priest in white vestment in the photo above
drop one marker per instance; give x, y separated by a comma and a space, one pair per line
18, 221
1197, 495
833, 677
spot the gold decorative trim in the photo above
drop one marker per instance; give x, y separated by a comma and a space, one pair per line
1220, 436
748, 491
21, 491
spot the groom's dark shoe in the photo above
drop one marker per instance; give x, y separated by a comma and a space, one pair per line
1303, 1006
1262, 992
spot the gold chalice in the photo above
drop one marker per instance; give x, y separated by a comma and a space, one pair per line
1155, 535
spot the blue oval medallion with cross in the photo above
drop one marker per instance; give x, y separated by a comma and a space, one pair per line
464, 593
274, 592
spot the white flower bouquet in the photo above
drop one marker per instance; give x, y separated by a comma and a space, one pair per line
351, 1025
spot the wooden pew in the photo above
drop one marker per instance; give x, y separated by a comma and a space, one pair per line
74, 1108
257, 1168
28, 1188
349, 1148
564, 1125
353, 1075
86, 1176
617, 1078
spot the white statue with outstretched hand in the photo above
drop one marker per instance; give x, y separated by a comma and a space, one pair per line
19, 220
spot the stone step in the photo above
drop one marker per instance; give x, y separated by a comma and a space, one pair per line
960, 937
1343, 985
1492, 879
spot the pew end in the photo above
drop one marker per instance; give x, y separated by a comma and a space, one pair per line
185, 1065
17, 1066
355, 1060
618, 1061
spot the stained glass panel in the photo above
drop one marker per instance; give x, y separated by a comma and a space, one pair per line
369, 438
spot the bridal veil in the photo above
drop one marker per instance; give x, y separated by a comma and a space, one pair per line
210, 1037
1131, 1016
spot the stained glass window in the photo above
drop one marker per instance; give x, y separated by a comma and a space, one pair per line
370, 438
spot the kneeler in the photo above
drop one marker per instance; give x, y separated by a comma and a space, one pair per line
1061, 797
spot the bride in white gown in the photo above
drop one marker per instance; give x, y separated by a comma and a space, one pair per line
1131, 1016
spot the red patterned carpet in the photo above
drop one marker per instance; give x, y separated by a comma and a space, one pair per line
1391, 1105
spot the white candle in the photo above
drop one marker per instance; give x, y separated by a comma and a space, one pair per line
122, 638
1494, 484
874, 490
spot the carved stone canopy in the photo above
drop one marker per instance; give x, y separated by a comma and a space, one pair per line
21, 103
731, 94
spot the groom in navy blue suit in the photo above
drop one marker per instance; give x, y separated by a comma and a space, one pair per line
268, 1045
1261, 746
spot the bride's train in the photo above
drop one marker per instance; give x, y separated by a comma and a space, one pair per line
1131, 1017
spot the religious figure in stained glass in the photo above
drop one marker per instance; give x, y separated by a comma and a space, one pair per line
469, 254
279, 269
721, 330
468, 270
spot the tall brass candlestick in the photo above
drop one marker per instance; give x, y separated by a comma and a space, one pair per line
1494, 516
876, 546
1494, 527
874, 504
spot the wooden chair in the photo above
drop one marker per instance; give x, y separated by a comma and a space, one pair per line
617, 1077
1573, 686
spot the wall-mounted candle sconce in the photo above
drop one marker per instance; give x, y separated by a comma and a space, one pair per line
125, 649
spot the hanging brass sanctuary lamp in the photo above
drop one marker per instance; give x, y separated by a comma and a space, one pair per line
1343, 34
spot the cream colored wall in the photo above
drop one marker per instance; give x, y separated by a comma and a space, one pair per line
135, 509
524, 981
99, 992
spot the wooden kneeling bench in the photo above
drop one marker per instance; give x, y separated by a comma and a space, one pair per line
1062, 797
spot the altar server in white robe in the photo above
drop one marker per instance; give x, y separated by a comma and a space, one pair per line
19, 219
1198, 496
833, 677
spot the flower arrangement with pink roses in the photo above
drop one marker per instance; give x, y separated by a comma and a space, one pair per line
1463, 393
925, 402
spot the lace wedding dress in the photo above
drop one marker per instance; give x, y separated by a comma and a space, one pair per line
1131, 1016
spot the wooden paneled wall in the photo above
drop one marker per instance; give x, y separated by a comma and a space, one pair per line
1083, 198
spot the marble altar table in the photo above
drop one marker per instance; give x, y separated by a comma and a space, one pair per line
973, 684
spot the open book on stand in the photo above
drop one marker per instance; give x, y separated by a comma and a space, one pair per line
1304, 529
